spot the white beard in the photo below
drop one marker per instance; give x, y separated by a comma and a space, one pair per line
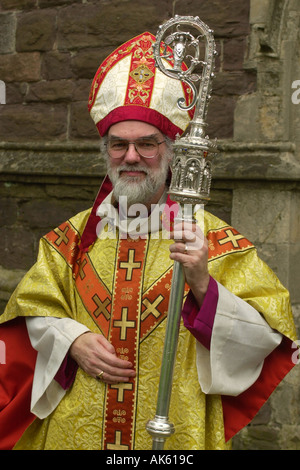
135, 189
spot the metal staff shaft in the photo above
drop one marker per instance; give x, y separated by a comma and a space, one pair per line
160, 428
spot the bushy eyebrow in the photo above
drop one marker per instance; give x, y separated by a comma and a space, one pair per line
145, 137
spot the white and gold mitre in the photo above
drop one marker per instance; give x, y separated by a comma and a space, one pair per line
128, 86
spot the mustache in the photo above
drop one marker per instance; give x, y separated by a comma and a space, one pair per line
127, 167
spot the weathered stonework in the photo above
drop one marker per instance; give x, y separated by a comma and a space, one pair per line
50, 166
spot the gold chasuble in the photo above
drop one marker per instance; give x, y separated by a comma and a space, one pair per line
120, 288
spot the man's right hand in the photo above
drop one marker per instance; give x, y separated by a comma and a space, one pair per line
95, 354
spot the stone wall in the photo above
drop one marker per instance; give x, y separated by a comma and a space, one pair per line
49, 53
51, 50
50, 166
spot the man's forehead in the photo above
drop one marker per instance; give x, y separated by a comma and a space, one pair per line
142, 136
133, 126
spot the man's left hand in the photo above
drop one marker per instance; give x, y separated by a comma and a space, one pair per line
190, 248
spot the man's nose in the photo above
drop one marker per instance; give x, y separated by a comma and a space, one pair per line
131, 155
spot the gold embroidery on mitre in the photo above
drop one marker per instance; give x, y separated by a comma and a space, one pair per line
141, 74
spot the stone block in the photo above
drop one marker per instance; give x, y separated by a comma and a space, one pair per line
220, 203
220, 117
72, 192
285, 402
258, 11
234, 54
7, 33
17, 248
56, 3
37, 122
36, 31
234, 83
23, 67
295, 217
294, 271
99, 23
53, 91
81, 124
270, 82
262, 215
21, 190
17, 4
82, 90
271, 119
227, 19
45, 215
56, 65
8, 211
246, 118
290, 439
85, 62
262, 437
15, 92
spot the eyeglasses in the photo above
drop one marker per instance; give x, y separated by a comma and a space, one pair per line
145, 147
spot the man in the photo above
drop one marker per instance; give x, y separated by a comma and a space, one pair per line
95, 303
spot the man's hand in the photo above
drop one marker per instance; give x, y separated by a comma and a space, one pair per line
94, 354
190, 248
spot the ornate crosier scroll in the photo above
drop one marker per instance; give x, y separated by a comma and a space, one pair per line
184, 39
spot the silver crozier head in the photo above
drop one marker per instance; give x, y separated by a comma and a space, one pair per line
187, 40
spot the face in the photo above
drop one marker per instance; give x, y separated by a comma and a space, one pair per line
141, 180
